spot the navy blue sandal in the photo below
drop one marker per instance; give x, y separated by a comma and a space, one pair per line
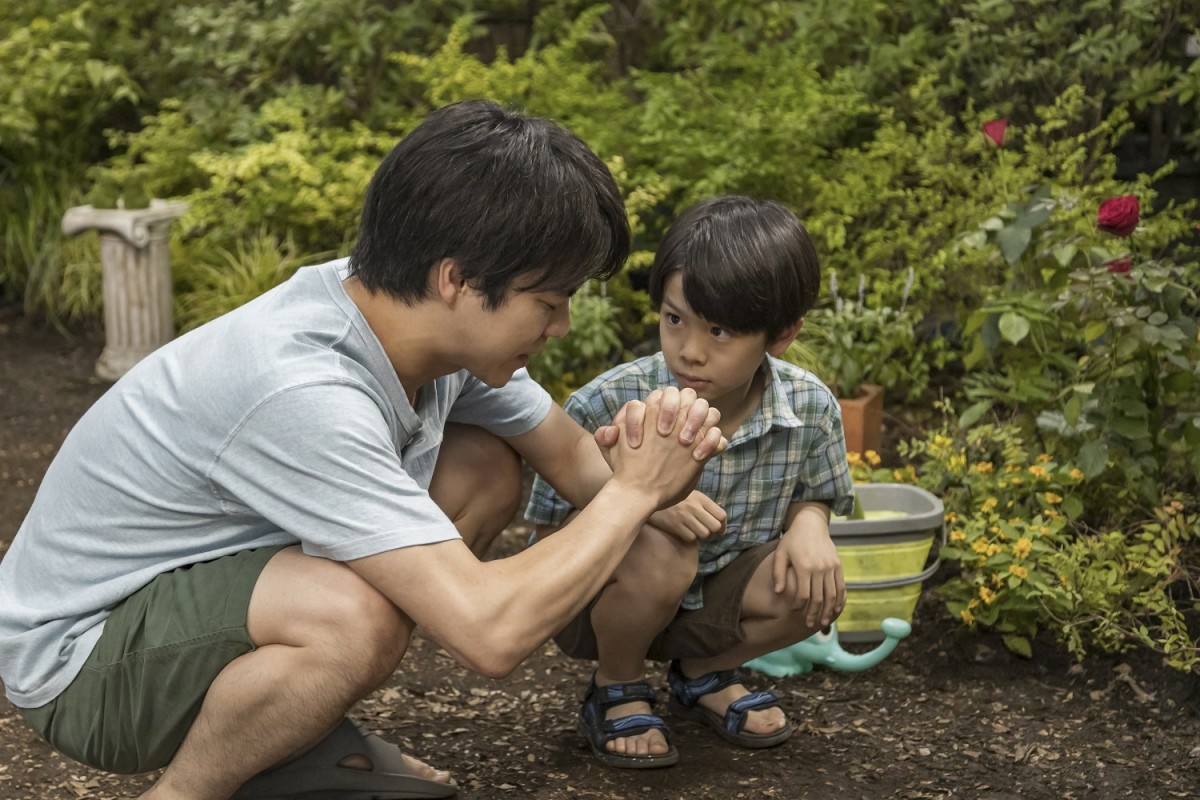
599, 731
685, 701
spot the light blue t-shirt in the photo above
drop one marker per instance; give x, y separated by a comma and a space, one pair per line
282, 422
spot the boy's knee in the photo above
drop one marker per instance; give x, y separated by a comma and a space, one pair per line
659, 564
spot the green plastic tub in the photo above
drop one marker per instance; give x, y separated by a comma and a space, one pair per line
886, 556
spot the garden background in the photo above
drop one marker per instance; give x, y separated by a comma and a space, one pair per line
955, 162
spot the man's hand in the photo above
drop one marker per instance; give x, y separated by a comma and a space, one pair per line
661, 444
693, 519
699, 417
808, 567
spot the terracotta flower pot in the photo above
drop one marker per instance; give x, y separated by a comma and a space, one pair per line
862, 419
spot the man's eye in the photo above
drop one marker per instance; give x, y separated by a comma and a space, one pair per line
550, 306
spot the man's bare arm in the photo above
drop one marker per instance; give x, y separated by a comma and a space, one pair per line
491, 615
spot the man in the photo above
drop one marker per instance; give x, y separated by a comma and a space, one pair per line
235, 543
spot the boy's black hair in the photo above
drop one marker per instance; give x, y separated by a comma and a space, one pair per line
504, 194
748, 265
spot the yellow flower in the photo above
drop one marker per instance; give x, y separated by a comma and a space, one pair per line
1038, 472
872, 458
993, 549
987, 595
967, 617
951, 517
897, 475
974, 601
1076, 474
1017, 480
1022, 548
995, 579
1012, 468
853, 458
1019, 571
990, 503
984, 467
1052, 498
957, 535
979, 545
1043, 457
1052, 513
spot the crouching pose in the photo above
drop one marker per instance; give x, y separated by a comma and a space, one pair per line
745, 565
234, 544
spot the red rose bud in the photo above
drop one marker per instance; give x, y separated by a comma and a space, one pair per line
1119, 266
995, 129
1119, 215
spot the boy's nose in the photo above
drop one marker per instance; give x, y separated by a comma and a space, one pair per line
692, 350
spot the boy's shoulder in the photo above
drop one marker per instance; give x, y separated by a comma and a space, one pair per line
797, 389
632, 380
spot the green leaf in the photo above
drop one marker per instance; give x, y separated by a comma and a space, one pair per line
1064, 254
1019, 645
1094, 330
1072, 507
1013, 326
1093, 458
972, 414
1013, 241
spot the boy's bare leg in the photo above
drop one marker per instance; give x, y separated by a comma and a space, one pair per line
641, 600
326, 638
769, 623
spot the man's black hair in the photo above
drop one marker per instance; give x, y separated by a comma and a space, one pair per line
748, 265
513, 199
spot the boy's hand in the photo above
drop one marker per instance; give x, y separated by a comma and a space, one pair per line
665, 462
807, 565
693, 519
698, 417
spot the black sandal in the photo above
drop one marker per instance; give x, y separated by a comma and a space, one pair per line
685, 701
599, 731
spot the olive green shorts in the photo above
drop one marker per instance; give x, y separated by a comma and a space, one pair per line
142, 686
702, 633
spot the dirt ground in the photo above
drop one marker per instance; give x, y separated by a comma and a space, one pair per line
945, 716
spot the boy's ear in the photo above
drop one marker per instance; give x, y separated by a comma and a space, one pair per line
785, 338
448, 281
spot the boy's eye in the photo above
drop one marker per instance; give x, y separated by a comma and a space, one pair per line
673, 319
718, 332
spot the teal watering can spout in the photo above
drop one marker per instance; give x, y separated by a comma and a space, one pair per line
823, 649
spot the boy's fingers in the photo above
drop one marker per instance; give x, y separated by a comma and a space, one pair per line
668, 410
712, 444
697, 419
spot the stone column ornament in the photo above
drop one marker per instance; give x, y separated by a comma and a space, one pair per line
136, 259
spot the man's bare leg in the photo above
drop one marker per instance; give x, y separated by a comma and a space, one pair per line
769, 623
639, 603
325, 638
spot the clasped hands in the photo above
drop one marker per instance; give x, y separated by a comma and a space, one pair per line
661, 444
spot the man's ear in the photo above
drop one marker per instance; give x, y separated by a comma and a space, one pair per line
785, 338
448, 281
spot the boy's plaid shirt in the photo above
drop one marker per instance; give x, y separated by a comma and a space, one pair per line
790, 450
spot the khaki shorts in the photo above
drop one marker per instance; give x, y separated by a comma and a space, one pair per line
141, 688
702, 633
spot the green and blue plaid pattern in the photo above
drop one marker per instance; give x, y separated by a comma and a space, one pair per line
790, 450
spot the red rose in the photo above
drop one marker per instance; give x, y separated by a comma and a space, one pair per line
1119, 215
994, 130
1119, 266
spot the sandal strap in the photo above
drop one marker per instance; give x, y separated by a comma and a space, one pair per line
600, 698
616, 694
735, 715
688, 691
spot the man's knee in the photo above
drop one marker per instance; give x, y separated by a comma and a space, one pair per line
477, 483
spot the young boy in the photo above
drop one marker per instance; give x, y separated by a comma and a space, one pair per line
744, 565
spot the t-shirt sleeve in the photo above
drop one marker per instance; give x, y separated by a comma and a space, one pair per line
318, 461
547, 506
513, 409
825, 474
